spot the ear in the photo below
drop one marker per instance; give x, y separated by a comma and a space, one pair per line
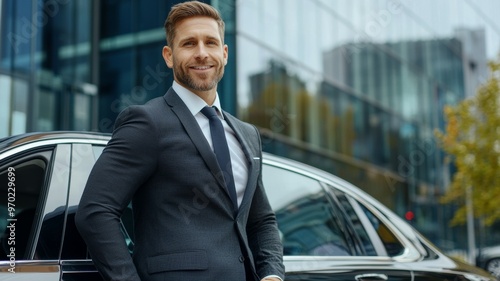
167, 56
225, 53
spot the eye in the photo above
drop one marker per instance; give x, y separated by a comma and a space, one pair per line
188, 43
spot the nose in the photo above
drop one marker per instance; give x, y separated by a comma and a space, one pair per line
201, 51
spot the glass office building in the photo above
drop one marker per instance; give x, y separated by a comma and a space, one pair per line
353, 87
75, 64
357, 88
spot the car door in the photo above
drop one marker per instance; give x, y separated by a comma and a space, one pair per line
76, 263
321, 239
27, 180
49, 181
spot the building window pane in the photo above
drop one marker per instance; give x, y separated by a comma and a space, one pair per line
82, 116
47, 111
20, 110
5, 93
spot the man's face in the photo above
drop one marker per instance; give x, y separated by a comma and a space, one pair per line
197, 55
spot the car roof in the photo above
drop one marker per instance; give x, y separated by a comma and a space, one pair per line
56, 136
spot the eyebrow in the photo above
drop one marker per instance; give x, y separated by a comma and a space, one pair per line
206, 37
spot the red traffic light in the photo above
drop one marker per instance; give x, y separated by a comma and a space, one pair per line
409, 215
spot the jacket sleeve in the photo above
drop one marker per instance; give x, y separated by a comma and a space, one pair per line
262, 231
126, 163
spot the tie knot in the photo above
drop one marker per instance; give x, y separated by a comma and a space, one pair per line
209, 112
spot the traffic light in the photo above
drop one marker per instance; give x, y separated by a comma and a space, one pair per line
409, 216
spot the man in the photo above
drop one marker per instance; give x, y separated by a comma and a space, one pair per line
193, 220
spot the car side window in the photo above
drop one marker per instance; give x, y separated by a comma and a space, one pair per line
306, 220
391, 243
21, 183
74, 247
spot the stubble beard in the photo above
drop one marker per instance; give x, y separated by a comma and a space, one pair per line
191, 82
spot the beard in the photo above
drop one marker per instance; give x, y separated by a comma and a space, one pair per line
203, 82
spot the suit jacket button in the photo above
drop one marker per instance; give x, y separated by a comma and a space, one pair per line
242, 259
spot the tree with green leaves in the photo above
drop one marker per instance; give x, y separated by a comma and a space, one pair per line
472, 141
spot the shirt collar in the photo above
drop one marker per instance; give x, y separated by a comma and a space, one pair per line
193, 102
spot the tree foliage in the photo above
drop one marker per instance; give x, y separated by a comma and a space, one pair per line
472, 141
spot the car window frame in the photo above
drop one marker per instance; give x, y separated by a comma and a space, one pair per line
28, 266
410, 254
411, 250
341, 216
46, 154
313, 190
55, 197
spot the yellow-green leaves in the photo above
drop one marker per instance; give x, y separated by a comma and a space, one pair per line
472, 141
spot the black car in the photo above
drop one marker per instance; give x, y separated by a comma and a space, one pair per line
331, 230
489, 259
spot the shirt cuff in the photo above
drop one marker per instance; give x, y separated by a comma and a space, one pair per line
275, 276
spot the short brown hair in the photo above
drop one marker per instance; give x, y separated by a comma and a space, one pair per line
189, 9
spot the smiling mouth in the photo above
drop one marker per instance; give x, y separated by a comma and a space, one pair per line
203, 67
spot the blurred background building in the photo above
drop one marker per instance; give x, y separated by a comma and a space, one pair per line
352, 87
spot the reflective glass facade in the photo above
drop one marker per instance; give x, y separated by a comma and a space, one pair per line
353, 87
358, 87
75, 64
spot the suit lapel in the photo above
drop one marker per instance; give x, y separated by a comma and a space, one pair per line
195, 134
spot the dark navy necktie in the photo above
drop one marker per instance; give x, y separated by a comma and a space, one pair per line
221, 150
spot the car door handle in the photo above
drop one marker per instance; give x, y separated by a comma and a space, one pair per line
370, 276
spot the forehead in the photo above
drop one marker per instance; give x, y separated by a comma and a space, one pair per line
197, 27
